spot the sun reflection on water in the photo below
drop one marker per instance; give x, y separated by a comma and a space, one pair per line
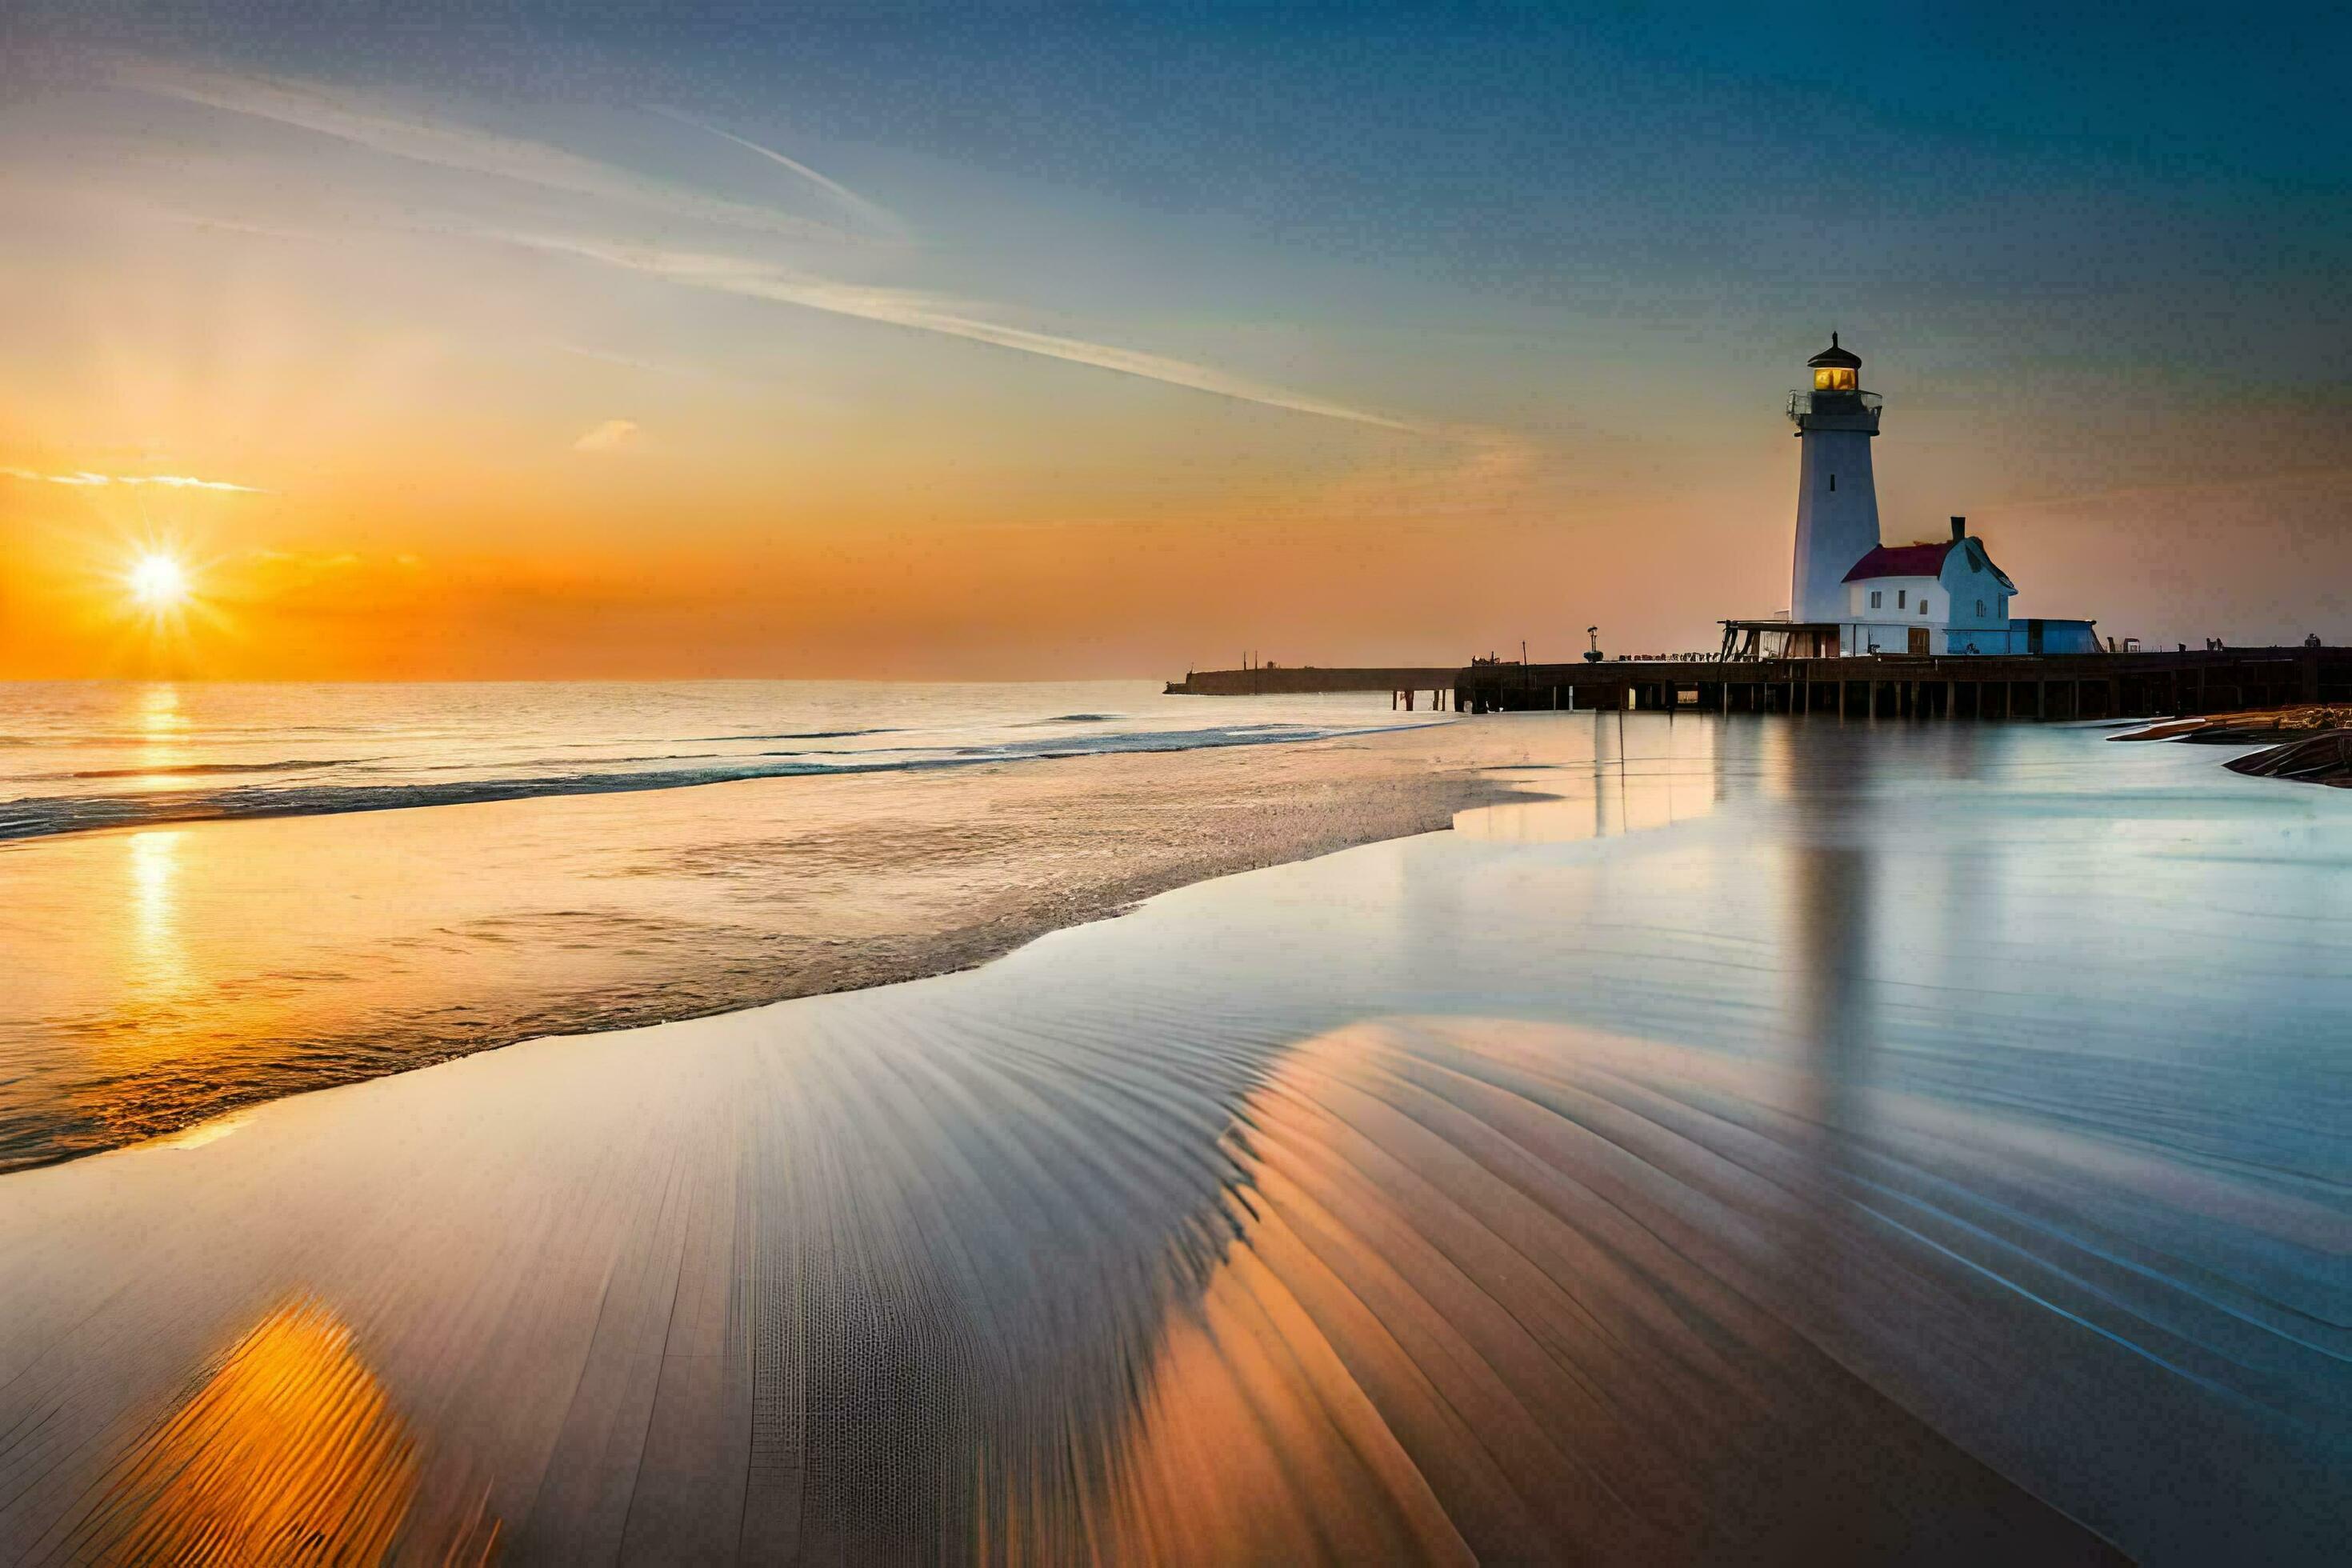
158, 958
162, 730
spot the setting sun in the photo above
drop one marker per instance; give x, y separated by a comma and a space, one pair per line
159, 582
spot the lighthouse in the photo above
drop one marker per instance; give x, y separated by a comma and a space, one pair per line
1837, 502
1851, 595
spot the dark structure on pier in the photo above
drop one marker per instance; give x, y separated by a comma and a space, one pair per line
2058, 686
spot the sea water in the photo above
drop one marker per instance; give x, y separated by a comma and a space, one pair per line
82, 754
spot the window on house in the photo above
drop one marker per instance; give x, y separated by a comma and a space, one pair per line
1923, 604
1833, 481
1979, 609
1900, 595
1873, 598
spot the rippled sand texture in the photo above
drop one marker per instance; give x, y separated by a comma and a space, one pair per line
869, 1300
1663, 1196
1485, 1308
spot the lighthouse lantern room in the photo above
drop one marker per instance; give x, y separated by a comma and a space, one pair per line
1836, 369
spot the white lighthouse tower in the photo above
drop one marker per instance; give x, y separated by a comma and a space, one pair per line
1837, 503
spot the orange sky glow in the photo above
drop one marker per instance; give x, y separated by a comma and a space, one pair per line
416, 386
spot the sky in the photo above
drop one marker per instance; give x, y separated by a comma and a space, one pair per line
538, 341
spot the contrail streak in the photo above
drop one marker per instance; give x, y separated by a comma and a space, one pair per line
930, 313
875, 214
386, 129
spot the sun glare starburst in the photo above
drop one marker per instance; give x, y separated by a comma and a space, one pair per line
159, 582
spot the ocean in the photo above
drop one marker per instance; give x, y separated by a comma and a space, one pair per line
77, 755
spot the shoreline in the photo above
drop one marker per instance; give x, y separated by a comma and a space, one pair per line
507, 922
453, 930
170, 809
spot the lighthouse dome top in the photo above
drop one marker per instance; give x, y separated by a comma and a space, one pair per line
1835, 357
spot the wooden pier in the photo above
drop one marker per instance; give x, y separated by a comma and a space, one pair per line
2056, 686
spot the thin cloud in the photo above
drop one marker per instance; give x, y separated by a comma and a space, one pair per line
873, 213
609, 436
84, 478
382, 128
950, 318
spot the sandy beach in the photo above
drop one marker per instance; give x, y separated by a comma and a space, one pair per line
1634, 1175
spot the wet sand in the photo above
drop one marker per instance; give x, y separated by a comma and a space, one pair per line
1397, 1307
1792, 1143
173, 974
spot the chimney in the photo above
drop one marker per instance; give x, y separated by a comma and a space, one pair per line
1960, 529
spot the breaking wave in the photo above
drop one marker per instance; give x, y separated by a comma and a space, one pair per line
42, 816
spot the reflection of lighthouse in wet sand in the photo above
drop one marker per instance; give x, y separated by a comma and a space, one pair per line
1837, 499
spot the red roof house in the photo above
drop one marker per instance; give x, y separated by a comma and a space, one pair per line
1902, 561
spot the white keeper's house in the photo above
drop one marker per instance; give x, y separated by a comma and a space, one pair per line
1850, 592
1943, 597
